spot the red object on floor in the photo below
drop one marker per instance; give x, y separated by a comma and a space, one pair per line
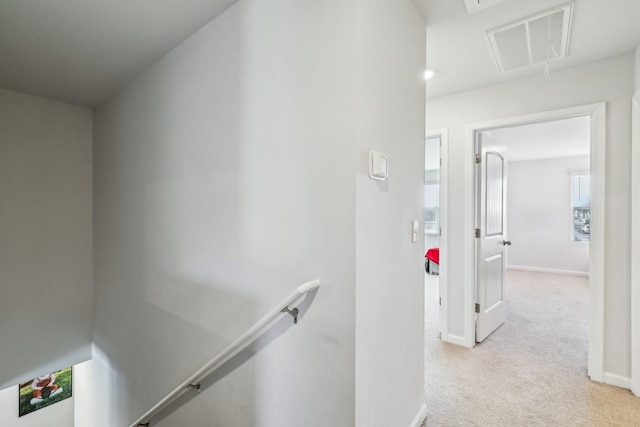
433, 255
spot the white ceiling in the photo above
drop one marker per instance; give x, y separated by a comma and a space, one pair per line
558, 138
81, 51
457, 45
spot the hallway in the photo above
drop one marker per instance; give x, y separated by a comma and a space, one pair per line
532, 371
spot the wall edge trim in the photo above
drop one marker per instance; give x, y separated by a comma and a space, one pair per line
617, 380
548, 270
420, 417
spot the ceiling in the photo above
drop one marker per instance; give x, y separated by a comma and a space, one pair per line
82, 51
553, 139
459, 51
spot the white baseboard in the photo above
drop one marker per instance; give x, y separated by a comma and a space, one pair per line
548, 270
454, 339
420, 416
616, 380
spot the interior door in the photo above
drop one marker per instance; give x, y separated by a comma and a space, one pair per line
490, 240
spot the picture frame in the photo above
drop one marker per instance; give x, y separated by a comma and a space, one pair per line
44, 390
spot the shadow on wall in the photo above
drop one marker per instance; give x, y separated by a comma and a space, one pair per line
199, 409
238, 378
54, 363
161, 349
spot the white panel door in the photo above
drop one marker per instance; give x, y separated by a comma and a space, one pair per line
491, 243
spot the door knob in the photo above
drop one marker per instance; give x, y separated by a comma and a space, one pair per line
506, 242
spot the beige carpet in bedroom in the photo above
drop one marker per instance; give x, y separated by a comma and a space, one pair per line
532, 371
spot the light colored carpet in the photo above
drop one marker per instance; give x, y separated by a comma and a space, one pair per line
532, 371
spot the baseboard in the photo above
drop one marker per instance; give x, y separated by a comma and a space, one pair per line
420, 416
548, 270
616, 380
455, 339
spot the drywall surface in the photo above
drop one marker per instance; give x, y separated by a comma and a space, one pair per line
609, 81
59, 414
45, 236
96, 378
224, 178
390, 267
637, 69
539, 221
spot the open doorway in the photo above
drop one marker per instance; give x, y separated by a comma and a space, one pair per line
532, 189
432, 203
432, 163
450, 365
435, 231
596, 112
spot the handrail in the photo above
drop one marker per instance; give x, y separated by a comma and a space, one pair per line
251, 334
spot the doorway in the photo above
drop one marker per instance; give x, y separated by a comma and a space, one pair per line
435, 221
533, 189
596, 113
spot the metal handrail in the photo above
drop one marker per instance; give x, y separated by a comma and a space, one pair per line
250, 335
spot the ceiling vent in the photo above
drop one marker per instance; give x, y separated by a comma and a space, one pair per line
533, 40
474, 6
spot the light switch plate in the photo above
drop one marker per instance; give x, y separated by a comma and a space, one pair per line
378, 166
415, 225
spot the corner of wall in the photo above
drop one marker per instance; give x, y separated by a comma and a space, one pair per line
637, 70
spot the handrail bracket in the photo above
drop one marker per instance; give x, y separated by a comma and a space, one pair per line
293, 312
194, 386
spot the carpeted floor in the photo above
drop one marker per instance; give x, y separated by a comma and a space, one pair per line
532, 371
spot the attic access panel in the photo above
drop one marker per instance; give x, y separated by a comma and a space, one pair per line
531, 40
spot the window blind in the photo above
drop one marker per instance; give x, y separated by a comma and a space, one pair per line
580, 207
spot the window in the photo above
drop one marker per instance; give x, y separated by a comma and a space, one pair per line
432, 188
580, 207
431, 207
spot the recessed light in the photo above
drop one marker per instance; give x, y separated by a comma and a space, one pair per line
429, 73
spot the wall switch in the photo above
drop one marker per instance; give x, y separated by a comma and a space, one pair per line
378, 166
415, 225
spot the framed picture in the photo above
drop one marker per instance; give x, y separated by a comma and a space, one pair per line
44, 390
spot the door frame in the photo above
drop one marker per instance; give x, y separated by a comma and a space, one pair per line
635, 245
444, 194
597, 113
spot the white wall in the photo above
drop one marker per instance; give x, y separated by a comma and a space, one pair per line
45, 236
637, 69
224, 178
97, 378
610, 81
539, 215
390, 268
635, 234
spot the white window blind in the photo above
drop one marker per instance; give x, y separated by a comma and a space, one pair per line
580, 207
